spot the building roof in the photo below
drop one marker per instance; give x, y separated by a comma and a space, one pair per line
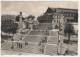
48, 15
51, 10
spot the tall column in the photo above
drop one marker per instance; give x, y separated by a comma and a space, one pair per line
20, 22
61, 24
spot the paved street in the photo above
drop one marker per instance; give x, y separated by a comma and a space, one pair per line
37, 42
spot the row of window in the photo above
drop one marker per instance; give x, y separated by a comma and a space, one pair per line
65, 14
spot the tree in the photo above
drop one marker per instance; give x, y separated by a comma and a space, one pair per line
8, 26
30, 21
31, 16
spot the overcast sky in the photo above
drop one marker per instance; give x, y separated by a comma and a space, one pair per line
34, 8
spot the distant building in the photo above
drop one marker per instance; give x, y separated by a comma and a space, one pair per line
70, 14
58, 15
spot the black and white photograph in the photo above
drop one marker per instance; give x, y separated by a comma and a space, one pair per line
39, 27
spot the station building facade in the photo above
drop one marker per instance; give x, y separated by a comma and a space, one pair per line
58, 17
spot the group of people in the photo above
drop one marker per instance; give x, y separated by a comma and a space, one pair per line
19, 45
